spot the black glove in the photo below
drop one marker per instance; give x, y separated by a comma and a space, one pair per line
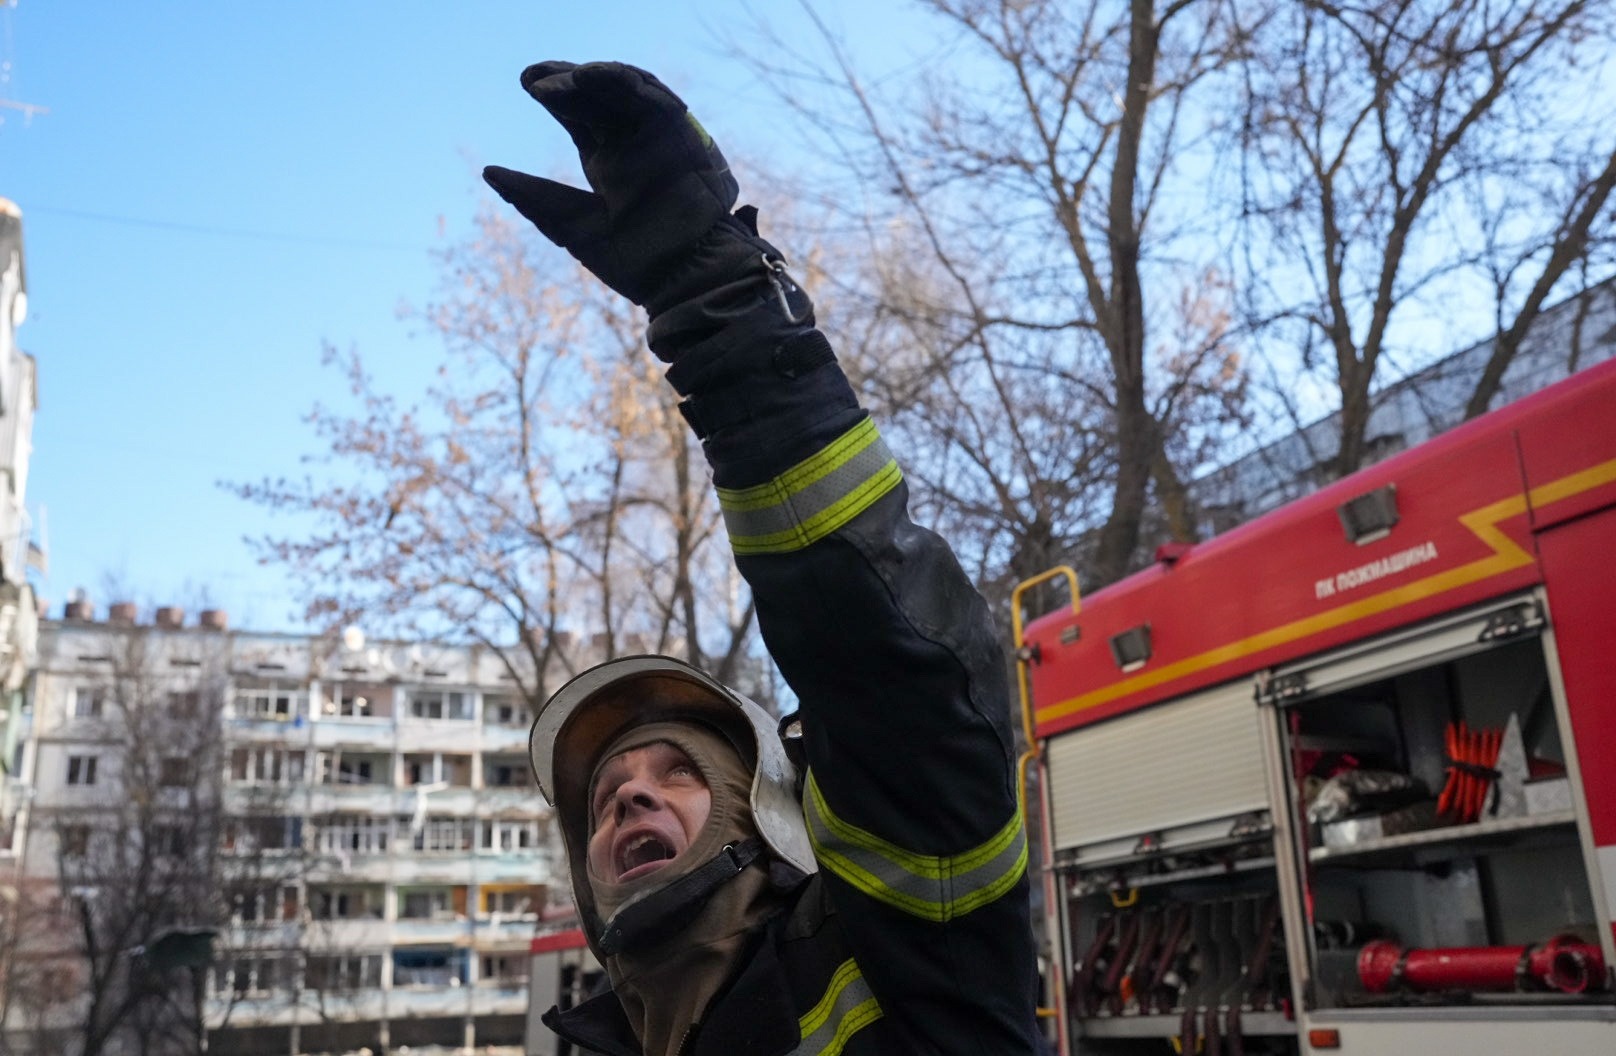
761, 386
661, 186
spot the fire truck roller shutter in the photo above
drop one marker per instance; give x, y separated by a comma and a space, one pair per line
1186, 765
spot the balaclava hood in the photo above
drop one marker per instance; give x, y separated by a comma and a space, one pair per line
729, 780
666, 985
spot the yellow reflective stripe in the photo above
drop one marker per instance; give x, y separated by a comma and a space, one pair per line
813, 498
847, 1007
815, 1017
935, 888
858, 1017
805, 472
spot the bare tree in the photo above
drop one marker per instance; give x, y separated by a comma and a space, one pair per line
150, 875
1405, 158
545, 500
39, 983
1031, 211
335, 976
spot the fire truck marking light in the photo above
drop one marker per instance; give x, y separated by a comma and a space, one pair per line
1370, 516
1131, 648
1282, 689
1515, 620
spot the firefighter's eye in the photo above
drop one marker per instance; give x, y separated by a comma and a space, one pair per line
684, 768
603, 800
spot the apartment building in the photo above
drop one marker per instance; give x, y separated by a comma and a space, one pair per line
1567, 337
357, 823
18, 623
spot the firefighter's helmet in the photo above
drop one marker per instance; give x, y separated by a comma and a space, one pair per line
592, 710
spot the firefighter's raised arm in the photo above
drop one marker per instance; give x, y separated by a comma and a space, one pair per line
911, 797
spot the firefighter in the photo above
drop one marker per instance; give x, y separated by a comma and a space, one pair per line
875, 899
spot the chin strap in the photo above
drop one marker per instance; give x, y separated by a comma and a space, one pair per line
665, 910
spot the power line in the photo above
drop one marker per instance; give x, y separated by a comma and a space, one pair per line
228, 232
29, 110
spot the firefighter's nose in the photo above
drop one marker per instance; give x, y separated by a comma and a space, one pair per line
636, 795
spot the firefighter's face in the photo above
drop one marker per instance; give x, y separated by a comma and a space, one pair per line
647, 806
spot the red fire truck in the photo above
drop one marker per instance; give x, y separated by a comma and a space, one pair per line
1343, 779
561, 972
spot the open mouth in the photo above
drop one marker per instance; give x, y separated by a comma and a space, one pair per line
643, 854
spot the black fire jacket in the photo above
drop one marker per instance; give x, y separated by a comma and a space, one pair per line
914, 937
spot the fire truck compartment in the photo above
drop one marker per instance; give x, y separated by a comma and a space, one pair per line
1429, 875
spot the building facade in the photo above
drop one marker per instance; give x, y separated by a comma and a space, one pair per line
357, 823
18, 622
1569, 336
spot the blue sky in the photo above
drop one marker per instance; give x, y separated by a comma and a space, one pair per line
218, 188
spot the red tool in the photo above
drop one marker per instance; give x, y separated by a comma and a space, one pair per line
1472, 758
1564, 963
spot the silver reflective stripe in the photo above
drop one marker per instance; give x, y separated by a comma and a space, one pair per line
813, 498
936, 888
847, 1007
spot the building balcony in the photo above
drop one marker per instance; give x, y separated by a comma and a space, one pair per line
354, 867
518, 799
443, 735
458, 801
340, 1006
257, 797
288, 731
276, 1008
515, 867
504, 738
353, 733
435, 930
77, 797
416, 868
87, 729
353, 799
413, 868
499, 997
377, 798
359, 934
13, 794
409, 869
429, 996
306, 1007
502, 933
273, 935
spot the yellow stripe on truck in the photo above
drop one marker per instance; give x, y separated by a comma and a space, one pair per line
1484, 523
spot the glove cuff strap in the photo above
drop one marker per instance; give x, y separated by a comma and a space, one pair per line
726, 254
